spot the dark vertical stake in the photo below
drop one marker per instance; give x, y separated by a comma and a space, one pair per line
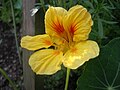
39, 22
39, 29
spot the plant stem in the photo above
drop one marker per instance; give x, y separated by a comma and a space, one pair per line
71, 3
64, 3
67, 79
10, 81
43, 5
15, 34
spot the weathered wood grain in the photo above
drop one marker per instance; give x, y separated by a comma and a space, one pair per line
28, 29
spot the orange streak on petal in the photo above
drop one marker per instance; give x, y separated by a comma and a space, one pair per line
56, 53
72, 30
73, 50
47, 42
58, 28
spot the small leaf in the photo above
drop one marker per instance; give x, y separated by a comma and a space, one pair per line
108, 22
0, 41
92, 11
103, 72
88, 3
111, 3
96, 1
100, 28
108, 10
18, 4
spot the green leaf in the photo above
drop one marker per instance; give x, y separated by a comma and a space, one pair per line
0, 41
95, 1
111, 3
88, 3
18, 4
100, 28
103, 72
10, 81
108, 22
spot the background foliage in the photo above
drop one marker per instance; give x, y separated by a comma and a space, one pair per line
11, 74
5, 11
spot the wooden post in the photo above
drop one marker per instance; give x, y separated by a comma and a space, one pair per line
28, 29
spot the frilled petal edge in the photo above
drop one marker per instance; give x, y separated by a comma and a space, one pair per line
78, 23
46, 62
36, 42
80, 53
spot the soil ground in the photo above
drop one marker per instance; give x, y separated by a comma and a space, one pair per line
9, 60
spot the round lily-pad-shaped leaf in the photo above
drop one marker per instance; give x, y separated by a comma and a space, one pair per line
103, 72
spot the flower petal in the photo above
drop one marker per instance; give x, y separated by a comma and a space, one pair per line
54, 21
78, 23
46, 61
36, 42
81, 53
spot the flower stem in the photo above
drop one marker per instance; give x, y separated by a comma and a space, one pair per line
10, 81
15, 33
67, 79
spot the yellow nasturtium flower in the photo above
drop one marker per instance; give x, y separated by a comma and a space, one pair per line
67, 32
